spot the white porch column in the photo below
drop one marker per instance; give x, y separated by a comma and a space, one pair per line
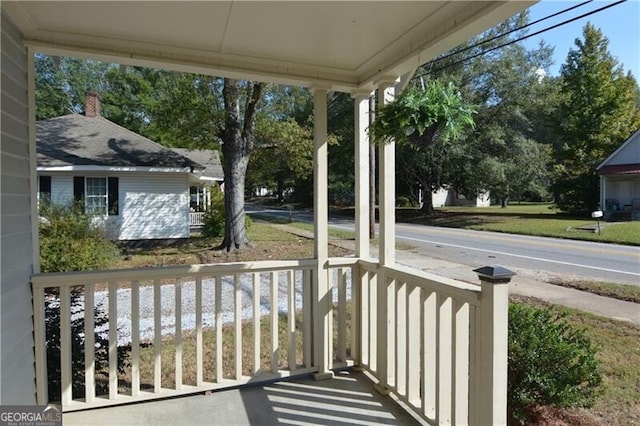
362, 215
361, 121
387, 183
320, 282
386, 287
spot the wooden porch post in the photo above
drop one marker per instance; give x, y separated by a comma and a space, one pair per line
386, 287
489, 337
362, 219
320, 282
361, 156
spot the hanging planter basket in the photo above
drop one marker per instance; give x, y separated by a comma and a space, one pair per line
422, 116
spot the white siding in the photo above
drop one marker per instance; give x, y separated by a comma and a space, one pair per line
151, 206
629, 153
447, 197
440, 198
16, 252
154, 206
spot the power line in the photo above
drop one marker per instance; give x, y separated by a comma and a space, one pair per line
521, 38
480, 43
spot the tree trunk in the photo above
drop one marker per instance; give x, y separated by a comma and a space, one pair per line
238, 139
505, 202
427, 202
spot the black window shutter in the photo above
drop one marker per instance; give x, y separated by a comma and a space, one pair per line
45, 189
78, 190
113, 196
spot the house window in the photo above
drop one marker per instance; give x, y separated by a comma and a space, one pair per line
44, 190
95, 201
97, 195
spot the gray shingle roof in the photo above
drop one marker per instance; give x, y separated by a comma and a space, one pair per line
208, 158
76, 140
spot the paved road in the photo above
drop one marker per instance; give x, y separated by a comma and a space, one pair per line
577, 259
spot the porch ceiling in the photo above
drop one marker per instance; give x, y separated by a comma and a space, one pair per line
341, 45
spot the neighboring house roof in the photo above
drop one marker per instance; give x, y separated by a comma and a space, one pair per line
210, 159
76, 140
624, 160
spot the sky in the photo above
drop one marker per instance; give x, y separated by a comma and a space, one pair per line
620, 24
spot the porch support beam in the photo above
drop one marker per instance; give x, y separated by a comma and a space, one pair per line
361, 115
386, 287
320, 283
387, 183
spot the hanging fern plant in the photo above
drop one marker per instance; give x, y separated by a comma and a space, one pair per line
422, 115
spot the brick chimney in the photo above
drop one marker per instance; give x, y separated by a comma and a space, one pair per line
92, 106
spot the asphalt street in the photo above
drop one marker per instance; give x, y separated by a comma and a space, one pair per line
566, 258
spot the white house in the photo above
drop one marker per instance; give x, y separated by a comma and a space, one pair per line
620, 180
448, 197
136, 188
446, 358
211, 175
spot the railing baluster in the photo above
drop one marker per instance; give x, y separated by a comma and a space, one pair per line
291, 317
342, 315
157, 336
329, 317
429, 353
218, 298
89, 345
401, 338
65, 346
39, 335
356, 318
199, 356
275, 356
256, 323
237, 297
373, 322
113, 340
178, 335
306, 317
135, 338
413, 370
460, 352
365, 304
474, 365
443, 360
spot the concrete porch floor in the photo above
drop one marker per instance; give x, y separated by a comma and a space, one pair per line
347, 399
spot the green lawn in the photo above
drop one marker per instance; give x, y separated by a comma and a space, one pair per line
527, 219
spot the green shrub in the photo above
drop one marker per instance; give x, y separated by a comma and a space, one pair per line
214, 215
403, 201
69, 241
550, 362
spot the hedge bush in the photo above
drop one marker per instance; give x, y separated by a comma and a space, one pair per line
69, 241
214, 216
550, 362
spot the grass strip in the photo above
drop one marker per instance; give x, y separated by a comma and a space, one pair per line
628, 293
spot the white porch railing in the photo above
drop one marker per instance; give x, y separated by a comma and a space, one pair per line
196, 218
431, 340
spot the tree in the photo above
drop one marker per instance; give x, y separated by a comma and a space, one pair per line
598, 110
238, 137
511, 97
61, 84
284, 154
